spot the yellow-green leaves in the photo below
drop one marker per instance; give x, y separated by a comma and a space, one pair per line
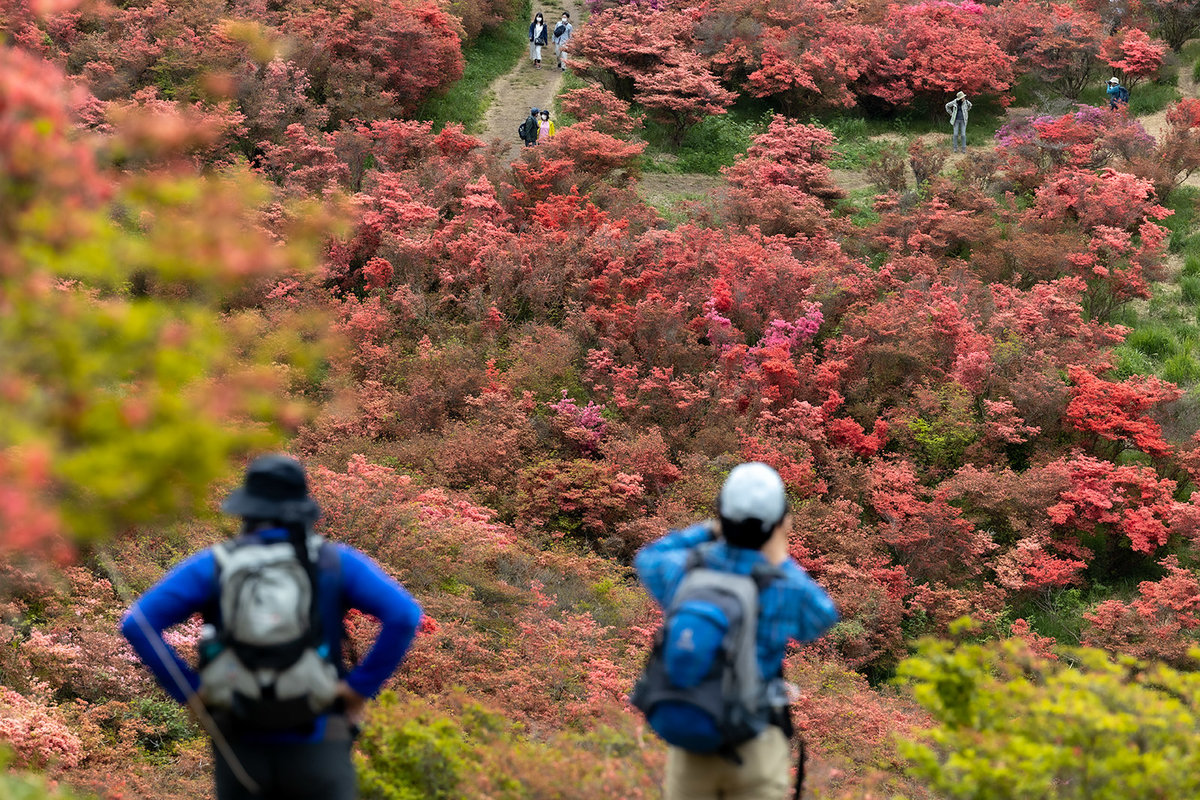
1014, 725
134, 356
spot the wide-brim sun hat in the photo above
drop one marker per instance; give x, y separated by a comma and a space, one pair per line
276, 489
753, 491
960, 96
1114, 80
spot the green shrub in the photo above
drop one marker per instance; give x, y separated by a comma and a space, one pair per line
1015, 725
410, 750
164, 724
418, 758
713, 143
1130, 362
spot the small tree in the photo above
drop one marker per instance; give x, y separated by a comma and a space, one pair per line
1176, 21
682, 93
974, 63
1134, 55
1058, 44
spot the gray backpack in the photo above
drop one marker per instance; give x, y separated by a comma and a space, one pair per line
269, 666
702, 689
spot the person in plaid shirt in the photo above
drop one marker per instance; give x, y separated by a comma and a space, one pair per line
753, 526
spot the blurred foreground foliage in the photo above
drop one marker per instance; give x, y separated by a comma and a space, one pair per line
133, 368
1017, 721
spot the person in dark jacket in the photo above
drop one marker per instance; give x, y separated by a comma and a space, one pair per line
311, 760
530, 128
539, 35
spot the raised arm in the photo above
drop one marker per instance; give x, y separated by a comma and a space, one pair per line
660, 564
812, 609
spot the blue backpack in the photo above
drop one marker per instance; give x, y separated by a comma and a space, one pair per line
1122, 94
702, 689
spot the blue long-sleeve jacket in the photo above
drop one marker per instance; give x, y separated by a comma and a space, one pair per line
791, 607
358, 583
539, 38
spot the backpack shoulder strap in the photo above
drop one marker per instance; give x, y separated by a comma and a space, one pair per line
765, 574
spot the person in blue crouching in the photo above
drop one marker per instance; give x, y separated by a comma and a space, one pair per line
750, 538
283, 707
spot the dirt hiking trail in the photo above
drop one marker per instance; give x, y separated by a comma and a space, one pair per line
525, 87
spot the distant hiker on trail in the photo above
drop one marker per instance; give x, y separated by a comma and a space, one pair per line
958, 108
529, 128
545, 128
538, 36
1117, 94
732, 599
270, 686
562, 35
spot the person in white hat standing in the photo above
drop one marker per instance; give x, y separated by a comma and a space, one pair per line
958, 108
749, 540
1116, 93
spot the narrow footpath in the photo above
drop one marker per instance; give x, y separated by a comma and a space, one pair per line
525, 87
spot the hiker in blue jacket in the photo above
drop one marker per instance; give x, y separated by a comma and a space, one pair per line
1117, 94
283, 713
751, 535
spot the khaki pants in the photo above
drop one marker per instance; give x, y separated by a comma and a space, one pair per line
764, 773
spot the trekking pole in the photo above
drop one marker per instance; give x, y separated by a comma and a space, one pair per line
800, 759
193, 700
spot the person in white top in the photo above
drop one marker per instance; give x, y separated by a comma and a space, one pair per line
538, 36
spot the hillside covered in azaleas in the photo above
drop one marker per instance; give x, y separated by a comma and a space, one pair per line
220, 227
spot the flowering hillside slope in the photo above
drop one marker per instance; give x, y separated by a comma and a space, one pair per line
221, 232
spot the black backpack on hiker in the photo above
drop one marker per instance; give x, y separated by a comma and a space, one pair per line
560, 30
528, 130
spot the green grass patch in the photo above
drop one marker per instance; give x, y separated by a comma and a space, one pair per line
1130, 362
854, 149
1182, 223
1182, 368
494, 53
1189, 289
1145, 98
1153, 340
714, 142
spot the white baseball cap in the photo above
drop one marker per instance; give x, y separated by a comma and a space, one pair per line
753, 491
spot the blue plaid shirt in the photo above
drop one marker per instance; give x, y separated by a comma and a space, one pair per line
791, 607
